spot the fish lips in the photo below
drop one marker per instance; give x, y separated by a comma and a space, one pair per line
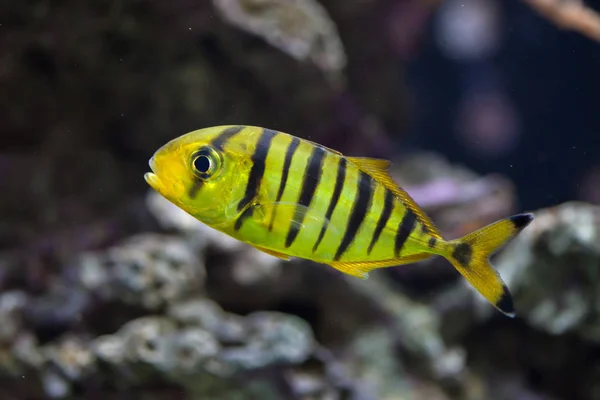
151, 177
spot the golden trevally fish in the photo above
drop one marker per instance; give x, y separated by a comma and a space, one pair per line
289, 197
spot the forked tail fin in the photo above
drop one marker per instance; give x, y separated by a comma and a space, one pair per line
470, 254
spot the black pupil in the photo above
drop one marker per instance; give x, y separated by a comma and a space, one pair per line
202, 164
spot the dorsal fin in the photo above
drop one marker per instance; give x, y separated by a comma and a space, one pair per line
323, 147
377, 169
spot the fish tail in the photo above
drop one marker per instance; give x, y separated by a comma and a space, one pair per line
470, 254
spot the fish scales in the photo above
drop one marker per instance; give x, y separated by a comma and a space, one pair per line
289, 196
300, 172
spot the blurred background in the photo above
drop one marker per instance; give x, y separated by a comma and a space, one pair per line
485, 107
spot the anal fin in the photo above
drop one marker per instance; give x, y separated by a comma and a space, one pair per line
361, 269
273, 253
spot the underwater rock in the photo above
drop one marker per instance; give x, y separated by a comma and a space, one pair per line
145, 340
416, 329
55, 367
150, 350
198, 335
158, 343
60, 308
26, 352
383, 372
71, 357
198, 350
300, 28
149, 269
273, 338
11, 306
55, 386
194, 348
255, 267
205, 313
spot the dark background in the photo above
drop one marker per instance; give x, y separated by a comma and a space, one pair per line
550, 77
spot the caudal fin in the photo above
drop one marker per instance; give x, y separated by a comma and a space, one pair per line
470, 254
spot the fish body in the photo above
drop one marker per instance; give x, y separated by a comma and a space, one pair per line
291, 197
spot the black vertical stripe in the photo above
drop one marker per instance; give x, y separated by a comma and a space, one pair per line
245, 214
257, 171
407, 225
195, 188
310, 181
286, 165
388, 205
289, 153
222, 138
357, 215
337, 191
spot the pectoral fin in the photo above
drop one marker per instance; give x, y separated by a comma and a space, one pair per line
287, 219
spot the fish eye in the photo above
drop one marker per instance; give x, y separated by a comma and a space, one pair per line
205, 162
202, 164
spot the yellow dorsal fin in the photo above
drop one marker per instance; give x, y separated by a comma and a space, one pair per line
371, 165
377, 168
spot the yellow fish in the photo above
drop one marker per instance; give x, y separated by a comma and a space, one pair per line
288, 196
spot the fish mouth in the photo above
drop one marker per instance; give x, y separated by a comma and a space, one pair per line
150, 177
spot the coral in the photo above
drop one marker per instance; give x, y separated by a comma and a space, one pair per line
572, 15
11, 308
152, 270
194, 344
300, 28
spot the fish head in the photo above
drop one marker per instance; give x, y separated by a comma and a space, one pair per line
199, 176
